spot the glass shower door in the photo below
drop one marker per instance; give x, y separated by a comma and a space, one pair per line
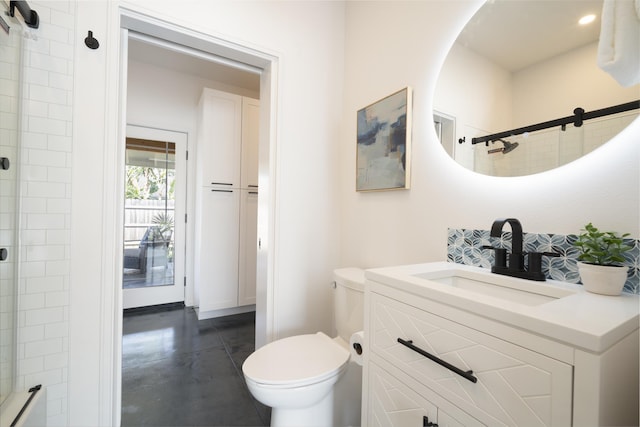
10, 62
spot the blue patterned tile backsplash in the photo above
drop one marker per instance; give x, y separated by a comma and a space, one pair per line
465, 247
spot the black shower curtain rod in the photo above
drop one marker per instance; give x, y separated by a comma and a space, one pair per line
29, 15
579, 116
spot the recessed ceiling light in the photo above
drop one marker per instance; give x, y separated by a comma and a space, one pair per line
587, 19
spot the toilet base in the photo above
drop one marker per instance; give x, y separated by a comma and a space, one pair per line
318, 415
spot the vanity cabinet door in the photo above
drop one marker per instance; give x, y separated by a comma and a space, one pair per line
513, 385
391, 403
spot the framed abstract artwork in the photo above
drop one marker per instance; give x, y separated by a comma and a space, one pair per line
384, 143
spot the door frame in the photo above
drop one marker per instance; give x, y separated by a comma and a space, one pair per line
110, 365
140, 297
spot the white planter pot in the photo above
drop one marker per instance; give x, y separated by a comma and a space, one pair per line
603, 279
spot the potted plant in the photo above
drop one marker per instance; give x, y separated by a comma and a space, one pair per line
601, 269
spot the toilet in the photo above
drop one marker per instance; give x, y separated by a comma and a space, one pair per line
311, 380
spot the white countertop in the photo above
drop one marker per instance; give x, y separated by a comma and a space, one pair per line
581, 319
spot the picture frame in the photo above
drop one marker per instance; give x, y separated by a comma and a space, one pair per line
383, 158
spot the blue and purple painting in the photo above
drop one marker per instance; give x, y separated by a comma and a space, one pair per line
383, 143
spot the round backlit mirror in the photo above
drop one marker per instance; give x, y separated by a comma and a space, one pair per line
518, 65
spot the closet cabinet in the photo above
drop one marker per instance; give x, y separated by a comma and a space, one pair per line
226, 206
217, 277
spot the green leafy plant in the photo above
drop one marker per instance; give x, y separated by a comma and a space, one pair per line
601, 247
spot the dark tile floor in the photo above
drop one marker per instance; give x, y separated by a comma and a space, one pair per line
179, 371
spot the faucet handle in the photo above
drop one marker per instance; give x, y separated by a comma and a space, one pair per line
535, 260
501, 255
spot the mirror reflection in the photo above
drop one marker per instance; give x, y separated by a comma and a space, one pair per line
518, 64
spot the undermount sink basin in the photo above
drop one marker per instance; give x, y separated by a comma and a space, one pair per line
498, 286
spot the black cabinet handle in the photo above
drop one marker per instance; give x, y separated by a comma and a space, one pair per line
221, 183
3, 254
222, 191
427, 423
465, 374
4, 163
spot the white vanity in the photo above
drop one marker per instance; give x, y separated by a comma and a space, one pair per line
454, 345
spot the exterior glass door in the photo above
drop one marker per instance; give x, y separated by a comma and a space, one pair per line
152, 248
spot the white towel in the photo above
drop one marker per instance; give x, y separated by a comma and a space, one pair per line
619, 45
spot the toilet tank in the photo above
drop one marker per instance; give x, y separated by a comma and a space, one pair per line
348, 301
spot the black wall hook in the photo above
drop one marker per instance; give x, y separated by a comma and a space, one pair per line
91, 42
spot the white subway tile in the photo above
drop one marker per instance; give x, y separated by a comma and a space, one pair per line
58, 237
44, 316
31, 301
61, 81
59, 143
56, 391
31, 333
60, 112
56, 330
57, 268
57, 299
45, 221
36, 76
48, 94
36, 108
61, 50
34, 205
59, 174
59, 206
54, 407
47, 126
32, 269
44, 284
63, 18
55, 33
46, 189
47, 158
46, 378
45, 253
34, 173
33, 140
30, 365
45, 62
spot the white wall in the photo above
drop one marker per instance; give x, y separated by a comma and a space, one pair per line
394, 44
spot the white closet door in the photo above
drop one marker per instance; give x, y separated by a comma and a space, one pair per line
220, 138
217, 260
248, 247
250, 141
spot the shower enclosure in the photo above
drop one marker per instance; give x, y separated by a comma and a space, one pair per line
10, 60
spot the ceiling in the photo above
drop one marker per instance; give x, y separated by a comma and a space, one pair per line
518, 33
512, 33
152, 54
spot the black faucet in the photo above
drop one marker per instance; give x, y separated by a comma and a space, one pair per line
513, 264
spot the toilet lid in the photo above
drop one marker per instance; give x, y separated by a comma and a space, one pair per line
301, 359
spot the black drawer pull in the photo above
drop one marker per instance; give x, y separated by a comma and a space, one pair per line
466, 374
253, 192
223, 191
221, 183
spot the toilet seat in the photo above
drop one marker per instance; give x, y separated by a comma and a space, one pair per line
296, 361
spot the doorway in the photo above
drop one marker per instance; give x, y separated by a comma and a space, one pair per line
154, 208
232, 54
